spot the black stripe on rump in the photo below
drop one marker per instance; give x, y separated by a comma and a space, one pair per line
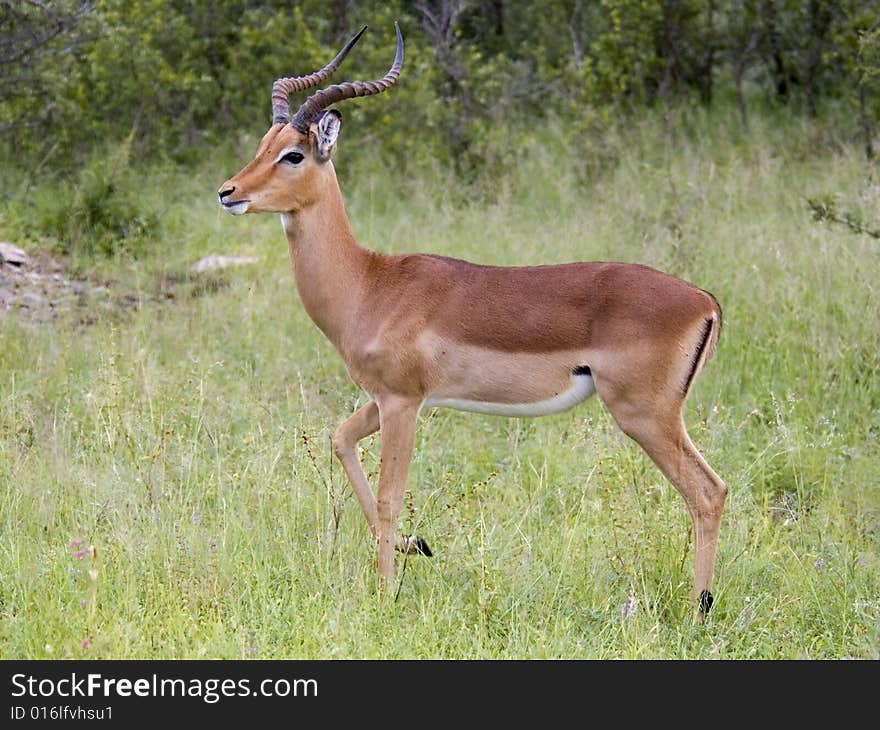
707, 330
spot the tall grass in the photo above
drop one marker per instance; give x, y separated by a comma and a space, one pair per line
188, 444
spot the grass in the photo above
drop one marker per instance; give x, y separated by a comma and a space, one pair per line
189, 443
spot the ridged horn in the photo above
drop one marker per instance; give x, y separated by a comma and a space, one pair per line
284, 87
320, 100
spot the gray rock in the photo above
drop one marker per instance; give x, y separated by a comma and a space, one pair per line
10, 254
219, 261
32, 300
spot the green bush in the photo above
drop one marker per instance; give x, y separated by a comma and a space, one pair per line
100, 212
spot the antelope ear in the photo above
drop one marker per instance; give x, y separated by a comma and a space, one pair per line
326, 133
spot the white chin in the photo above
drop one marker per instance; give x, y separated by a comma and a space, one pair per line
236, 208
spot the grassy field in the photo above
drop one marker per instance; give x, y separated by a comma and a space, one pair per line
167, 488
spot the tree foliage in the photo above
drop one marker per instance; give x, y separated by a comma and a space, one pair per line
177, 75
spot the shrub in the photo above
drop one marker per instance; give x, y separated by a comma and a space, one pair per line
101, 211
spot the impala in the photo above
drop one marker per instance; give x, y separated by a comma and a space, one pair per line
420, 331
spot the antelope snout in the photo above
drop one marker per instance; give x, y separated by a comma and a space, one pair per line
236, 207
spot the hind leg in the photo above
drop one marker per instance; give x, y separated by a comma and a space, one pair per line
656, 425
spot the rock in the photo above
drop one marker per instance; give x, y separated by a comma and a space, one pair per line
32, 300
218, 261
10, 254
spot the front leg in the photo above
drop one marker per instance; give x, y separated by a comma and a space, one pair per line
363, 422
397, 417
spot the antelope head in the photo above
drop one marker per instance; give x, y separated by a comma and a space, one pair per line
292, 164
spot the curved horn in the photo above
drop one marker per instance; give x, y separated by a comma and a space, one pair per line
284, 87
348, 90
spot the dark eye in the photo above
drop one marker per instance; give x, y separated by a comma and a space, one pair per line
293, 158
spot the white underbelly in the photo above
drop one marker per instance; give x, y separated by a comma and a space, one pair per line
582, 388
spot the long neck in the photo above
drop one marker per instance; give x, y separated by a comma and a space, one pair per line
328, 263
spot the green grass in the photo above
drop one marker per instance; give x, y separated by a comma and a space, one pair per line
189, 442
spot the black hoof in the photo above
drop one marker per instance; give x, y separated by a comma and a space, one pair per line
420, 546
706, 601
